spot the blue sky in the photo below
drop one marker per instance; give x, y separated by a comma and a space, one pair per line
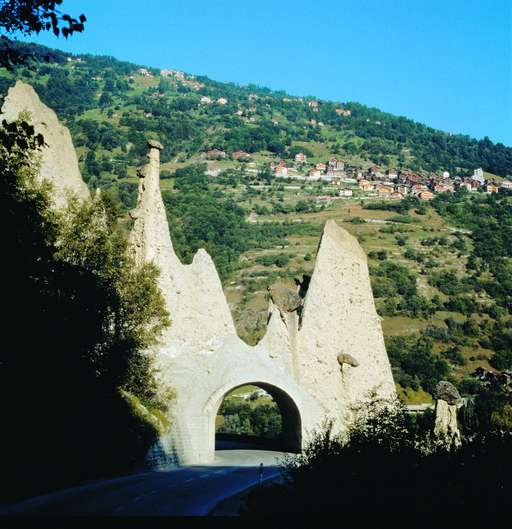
446, 63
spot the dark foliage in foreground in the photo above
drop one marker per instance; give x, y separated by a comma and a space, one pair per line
389, 467
77, 314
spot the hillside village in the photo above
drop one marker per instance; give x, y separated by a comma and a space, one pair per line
375, 181
252, 175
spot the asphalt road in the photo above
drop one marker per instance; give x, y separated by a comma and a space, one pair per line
184, 491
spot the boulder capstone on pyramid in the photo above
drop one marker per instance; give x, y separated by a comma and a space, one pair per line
323, 352
59, 162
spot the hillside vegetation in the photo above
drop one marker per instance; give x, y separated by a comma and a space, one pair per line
440, 272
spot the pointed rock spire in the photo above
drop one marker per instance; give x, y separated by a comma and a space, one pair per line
59, 162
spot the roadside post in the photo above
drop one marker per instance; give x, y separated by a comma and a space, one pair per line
261, 475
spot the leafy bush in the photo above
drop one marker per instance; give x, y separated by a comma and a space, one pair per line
389, 465
92, 312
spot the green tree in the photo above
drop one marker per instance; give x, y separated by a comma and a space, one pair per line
81, 314
28, 17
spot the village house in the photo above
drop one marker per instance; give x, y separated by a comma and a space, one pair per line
205, 100
396, 195
375, 172
144, 72
478, 175
416, 189
280, 169
365, 185
506, 184
222, 101
313, 105
300, 157
491, 187
446, 175
392, 174
442, 187
281, 172
320, 166
402, 189
410, 178
343, 112
426, 195
336, 165
466, 185
346, 192
470, 184
214, 154
314, 174
384, 191
312, 121
240, 155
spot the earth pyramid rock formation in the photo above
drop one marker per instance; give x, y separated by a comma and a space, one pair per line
446, 427
59, 162
323, 352
202, 358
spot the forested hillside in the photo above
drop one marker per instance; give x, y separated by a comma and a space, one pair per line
440, 271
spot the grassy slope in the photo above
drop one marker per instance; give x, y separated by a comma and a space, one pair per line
246, 289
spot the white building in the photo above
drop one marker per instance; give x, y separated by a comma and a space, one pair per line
478, 175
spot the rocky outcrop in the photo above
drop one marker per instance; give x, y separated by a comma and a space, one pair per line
446, 428
200, 314
297, 361
323, 351
339, 318
448, 392
284, 297
59, 162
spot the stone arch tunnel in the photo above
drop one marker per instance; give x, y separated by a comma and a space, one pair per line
290, 439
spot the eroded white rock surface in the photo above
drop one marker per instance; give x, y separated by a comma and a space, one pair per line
339, 317
193, 293
59, 162
201, 356
446, 428
203, 359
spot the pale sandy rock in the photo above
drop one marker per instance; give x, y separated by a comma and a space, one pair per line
59, 162
202, 358
339, 317
446, 428
193, 293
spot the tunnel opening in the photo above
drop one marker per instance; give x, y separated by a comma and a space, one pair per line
258, 416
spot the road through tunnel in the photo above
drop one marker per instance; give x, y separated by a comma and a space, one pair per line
258, 416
